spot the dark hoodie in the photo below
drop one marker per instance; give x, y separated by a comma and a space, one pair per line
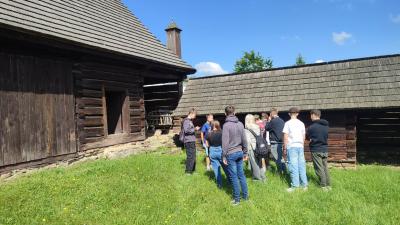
317, 133
233, 139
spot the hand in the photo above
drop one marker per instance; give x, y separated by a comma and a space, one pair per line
225, 162
197, 128
284, 153
245, 158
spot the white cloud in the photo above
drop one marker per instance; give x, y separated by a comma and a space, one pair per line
341, 38
395, 18
209, 68
319, 61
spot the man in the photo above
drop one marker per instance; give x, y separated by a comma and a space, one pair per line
205, 129
189, 141
234, 151
317, 133
274, 127
294, 135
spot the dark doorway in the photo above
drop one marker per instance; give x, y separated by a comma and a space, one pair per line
114, 104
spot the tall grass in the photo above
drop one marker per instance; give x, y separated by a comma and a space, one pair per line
152, 189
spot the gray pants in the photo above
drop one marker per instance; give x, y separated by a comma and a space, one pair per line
255, 164
276, 150
320, 161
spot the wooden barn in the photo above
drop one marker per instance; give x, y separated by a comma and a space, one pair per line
72, 78
359, 97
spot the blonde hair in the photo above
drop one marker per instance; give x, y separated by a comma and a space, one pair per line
249, 121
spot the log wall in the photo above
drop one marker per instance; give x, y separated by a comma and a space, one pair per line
92, 80
378, 133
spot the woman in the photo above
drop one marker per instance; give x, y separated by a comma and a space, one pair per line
257, 169
214, 142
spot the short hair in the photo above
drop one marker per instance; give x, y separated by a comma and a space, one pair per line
192, 110
216, 125
274, 110
208, 115
294, 110
316, 112
230, 110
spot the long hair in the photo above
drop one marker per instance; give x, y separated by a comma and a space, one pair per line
215, 124
249, 121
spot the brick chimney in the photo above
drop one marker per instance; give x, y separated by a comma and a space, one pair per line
174, 39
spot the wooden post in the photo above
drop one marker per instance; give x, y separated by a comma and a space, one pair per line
104, 104
351, 136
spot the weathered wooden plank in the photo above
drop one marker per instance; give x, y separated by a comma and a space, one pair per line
94, 131
91, 101
161, 95
93, 121
12, 150
92, 111
136, 128
113, 140
90, 93
162, 88
126, 114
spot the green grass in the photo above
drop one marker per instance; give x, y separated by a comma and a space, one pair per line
152, 189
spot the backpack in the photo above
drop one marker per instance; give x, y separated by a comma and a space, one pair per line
262, 148
182, 133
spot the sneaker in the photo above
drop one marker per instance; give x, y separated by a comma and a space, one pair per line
305, 188
208, 168
234, 203
327, 188
188, 174
291, 189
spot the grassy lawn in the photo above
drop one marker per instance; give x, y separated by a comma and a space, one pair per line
152, 189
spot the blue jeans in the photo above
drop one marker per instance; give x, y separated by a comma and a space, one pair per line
216, 162
297, 166
236, 175
276, 149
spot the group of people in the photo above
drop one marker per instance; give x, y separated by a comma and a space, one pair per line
227, 148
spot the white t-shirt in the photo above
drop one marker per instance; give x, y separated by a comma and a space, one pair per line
296, 131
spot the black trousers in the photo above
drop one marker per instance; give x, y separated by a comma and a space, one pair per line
190, 157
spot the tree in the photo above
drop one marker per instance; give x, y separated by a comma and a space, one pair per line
300, 60
251, 62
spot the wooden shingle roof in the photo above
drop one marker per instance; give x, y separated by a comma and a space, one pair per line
102, 24
358, 83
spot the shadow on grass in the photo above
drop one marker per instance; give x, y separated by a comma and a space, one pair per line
226, 185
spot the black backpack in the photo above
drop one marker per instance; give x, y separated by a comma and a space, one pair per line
262, 148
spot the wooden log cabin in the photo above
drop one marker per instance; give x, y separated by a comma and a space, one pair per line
72, 78
359, 97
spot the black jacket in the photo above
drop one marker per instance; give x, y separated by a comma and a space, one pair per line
317, 133
275, 128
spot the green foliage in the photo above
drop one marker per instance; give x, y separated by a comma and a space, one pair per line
251, 62
300, 60
152, 189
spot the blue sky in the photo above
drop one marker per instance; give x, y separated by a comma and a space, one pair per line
216, 33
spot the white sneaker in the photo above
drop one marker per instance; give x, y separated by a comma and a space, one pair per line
291, 189
305, 188
208, 168
326, 188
